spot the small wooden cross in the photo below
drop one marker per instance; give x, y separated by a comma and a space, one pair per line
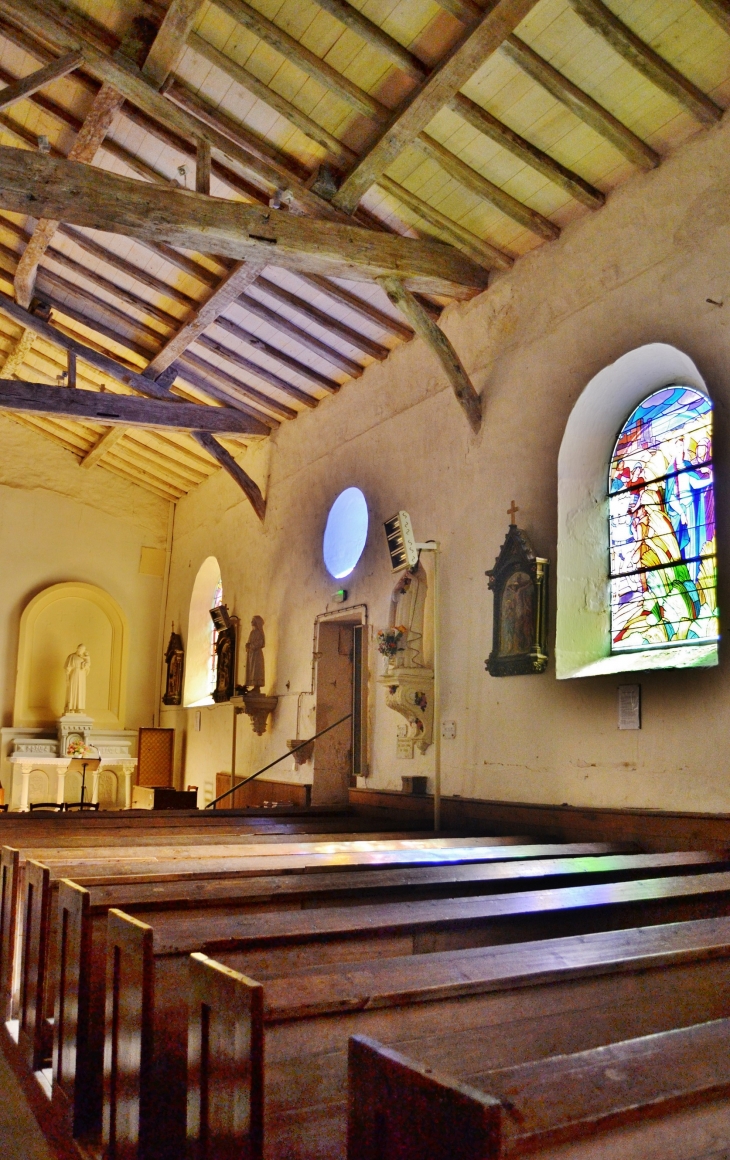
512, 512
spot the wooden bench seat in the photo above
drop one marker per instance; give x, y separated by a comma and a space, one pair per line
666, 1094
81, 960
273, 945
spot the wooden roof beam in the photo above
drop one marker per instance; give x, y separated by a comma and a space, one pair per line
106, 105
477, 45
169, 44
648, 62
485, 123
457, 235
305, 60
580, 104
223, 457
719, 10
440, 345
467, 11
373, 35
103, 445
37, 80
530, 219
83, 196
125, 410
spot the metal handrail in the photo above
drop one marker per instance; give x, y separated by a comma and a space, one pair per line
288, 753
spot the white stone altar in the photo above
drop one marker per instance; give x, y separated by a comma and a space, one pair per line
34, 764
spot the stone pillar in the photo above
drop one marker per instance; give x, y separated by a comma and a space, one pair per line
95, 785
128, 772
61, 783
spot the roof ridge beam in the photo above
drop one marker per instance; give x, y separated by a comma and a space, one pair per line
648, 62
475, 47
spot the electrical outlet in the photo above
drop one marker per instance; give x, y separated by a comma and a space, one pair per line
448, 730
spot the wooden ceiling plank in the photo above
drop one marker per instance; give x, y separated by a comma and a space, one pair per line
579, 103
280, 356
467, 11
193, 472
372, 34
496, 130
140, 304
303, 337
207, 378
127, 410
169, 43
476, 248
157, 465
367, 345
176, 445
648, 62
142, 479
242, 275
249, 486
719, 10
305, 60
84, 196
249, 81
98, 121
536, 222
111, 258
360, 305
475, 47
248, 364
37, 80
71, 310
18, 353
440, 345
103, 445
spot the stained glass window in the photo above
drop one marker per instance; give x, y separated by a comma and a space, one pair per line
216, 603
662, 525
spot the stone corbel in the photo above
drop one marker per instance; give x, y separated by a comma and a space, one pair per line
409, 691
259, 708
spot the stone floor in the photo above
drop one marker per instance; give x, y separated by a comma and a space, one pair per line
20, 1136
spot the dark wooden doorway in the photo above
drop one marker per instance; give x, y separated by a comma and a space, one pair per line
341, 689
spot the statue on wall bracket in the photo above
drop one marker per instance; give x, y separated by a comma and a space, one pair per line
174, 659
407, 677
256, 704
519, 580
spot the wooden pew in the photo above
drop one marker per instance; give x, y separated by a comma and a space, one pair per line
276, 945
81, 963
662, 1095
480, 1009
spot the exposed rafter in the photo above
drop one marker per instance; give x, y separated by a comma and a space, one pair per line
719, 10
103, 446
103, 111
228, 463
579, 103
374, 35
484, 38
80, 195
648, 62
435, 338
169, 43
37, 80
18, 353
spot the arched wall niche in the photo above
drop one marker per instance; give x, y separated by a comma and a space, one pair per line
52, 625
198, 687
583, 630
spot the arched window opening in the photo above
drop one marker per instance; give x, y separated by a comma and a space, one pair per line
200, 660
662, 525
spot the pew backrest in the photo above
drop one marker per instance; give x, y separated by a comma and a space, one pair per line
401, 1110
34, 1032
76, 1086
9, 885
225, 1093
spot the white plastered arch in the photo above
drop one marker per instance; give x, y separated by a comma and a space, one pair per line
197, 671
583, 636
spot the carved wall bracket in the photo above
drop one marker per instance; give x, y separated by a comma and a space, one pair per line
259, 708
409, 691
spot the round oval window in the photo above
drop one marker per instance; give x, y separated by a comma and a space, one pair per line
346, 532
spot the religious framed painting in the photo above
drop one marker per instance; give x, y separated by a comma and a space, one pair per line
519, 581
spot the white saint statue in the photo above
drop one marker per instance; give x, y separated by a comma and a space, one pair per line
77, 666
407, 612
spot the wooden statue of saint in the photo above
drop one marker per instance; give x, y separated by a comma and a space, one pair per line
255, 669
519, 582
174, 659
225, 664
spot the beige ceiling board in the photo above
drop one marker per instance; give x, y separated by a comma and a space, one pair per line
276, 354
642, 57
83, 196
249, 81
37, 80
170, 40
304, 337
374, 35
719, 10
359, 305
214, 382
444, 82
579, 103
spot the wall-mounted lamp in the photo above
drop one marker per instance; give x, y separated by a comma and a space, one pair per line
220, 617
401, 542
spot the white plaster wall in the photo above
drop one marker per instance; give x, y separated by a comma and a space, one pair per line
59, 522
639, 271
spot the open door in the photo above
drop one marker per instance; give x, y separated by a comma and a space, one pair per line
341, 689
